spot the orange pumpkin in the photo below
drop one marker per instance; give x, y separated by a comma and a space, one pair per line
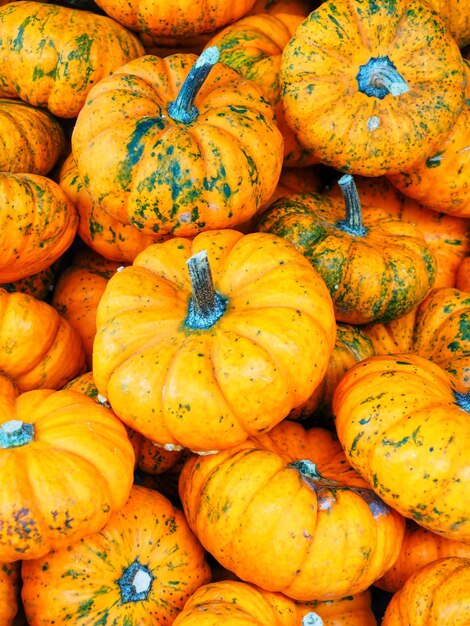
456, 17
37, 224
436, 594
463, 275
66, 463
153, 157
363, 97
352, 610
403, 423
38, 285
276, 521
51, 55
204, 365
420, 547
139, 569
9, 592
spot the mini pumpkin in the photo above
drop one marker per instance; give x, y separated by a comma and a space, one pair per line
178, 145
38, 285
463, 275
201, 362
9, 592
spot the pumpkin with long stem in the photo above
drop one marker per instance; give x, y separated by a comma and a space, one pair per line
178, 145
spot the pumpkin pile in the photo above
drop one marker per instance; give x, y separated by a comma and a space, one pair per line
234, 312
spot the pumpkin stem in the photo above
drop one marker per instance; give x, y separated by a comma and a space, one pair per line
307, 469
379, 77
206, 306
135, 583
182, 109
312, 619
463, 400
15, 433
353, 222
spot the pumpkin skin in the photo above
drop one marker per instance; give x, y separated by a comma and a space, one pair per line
66, 464
78, 292
378, 271
9, 592
442, 182
138, 570
256, 364
456, 17
31, 140
309, 521
436, 595
420, 547
38, 348
463, 275
353, 610
101, 232
403, 423
60, 53
37, 224
38, 285
337, 96
170, 177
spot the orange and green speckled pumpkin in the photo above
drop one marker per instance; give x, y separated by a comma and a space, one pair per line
9, 592
50, 55
38, 347
243, 502
436, 595
204, 365
101, 232
367, 99
404, 425
31, 140
352, 610
448, 236
463, 275
66, 463
375, 266
253, 46
78, 292
37, 224
152, 157
420, 547
138, 570
38, 285
456, 17
442, 181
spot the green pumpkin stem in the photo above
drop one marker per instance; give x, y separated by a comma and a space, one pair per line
312, 619
307, 469
206, 306
463, 400
353, 222
135, 583
182, 109
379, 77
15, 433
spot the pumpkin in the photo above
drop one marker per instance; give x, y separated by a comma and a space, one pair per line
420, 547
253, 46
463, 275
352, 610
50, 55
139, 569
65, 463
448, 236
38, 285
442, 181
151, 157
456, 17
78, 292
368, 99
274, 7
403, 423
275, 520
38, 348
375, 267
101, 232
204, 363
436, 594
38, 223
9, 592
31, 140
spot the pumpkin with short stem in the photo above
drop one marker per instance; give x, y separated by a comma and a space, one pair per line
65, 464
436, 594
352, 610
139, 569
456, 17
31, 140
37, 224
178, 145
376, 267
51, 55
448, 236
404, 425
442, 181
463, 275
38, 347
420, 547
78, 292
363, 97
203, 343
9, 592
243, 501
